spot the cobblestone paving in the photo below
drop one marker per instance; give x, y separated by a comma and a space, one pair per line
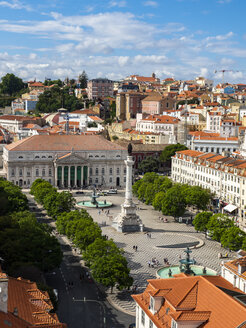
169, 233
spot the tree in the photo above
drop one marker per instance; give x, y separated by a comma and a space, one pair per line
198, 197
11, 84
5, 204
83, 79
174, 201
99, 248
149, 194
158, 199
65, 218
111, 271
54, 98
170, 151
43, 189
150, 164
86, 233
201, 220
136, 186
141, 191
17, 201
217, 224
233, 238
35, 184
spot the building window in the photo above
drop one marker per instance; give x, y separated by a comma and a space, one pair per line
96, 170
143, 318
13, 172
111, 171
96, 180
20, 157
124, 179
28, 173
110, 180
50, 172
36, 156
151, 324
43, 172
90, 181
37, 172
49, 156
90, 170
103, 170
28, 182
118, 170
20, 172
174, 324
50, 181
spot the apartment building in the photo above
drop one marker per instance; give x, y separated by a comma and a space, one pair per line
128, 104
100, 88
224, 176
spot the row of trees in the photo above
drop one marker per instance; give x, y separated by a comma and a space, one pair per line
168, 197
23, 241
54, 202
106, 260
221, 228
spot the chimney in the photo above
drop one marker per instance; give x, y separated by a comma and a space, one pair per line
3, 292
15, 312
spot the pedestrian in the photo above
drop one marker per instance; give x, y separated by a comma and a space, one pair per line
136, 248
133, 247
149, 263
149, 235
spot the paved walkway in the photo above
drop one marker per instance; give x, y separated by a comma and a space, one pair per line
171, 236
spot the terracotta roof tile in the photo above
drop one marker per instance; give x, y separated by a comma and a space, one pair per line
63, 142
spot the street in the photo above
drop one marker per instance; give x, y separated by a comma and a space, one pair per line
80, 302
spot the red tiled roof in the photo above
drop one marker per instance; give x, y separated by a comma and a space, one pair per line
63, 142
194, 299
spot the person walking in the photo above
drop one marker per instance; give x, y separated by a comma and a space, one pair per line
136, 248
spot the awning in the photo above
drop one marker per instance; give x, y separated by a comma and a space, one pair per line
230, 208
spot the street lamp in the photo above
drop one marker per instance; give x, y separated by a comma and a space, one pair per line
98, 302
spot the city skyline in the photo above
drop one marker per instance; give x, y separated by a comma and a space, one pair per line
113, 39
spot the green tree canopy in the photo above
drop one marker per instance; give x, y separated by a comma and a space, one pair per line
83, 80
150, 164
16, 200
53, 99
217, 224
111, 271
174, 201
233, 238
99, 248
198, 197
158, 199
11, 84
170, 151
201, 220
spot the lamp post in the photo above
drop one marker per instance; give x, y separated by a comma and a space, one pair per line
98, 302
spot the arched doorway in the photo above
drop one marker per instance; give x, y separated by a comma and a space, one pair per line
118, 181
20, 182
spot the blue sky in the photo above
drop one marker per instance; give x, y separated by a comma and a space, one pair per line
173, 38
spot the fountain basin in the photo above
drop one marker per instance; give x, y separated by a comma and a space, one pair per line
197, 269
98, 204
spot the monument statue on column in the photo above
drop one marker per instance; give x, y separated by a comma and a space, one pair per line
128, 220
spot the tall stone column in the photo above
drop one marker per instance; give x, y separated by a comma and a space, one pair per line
128, 193
75, 176
128, 220
82, 176
69, 176
56, 168
62, 177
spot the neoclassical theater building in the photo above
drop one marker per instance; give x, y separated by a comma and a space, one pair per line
66, 161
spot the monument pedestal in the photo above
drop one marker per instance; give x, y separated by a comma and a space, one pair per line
127, 220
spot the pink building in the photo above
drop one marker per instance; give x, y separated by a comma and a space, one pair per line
157, 104
99, 88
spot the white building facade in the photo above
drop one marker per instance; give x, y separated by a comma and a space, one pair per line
223, 176
235, 272
65, 161
163, 124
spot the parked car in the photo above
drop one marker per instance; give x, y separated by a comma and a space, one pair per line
132, 325
112, 191
79, 192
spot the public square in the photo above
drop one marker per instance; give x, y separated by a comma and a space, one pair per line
168, 240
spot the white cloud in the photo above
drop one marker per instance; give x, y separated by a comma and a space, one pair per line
150, 4
15, 4
119, 4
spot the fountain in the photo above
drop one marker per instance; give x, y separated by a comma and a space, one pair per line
94, 202
187, 266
